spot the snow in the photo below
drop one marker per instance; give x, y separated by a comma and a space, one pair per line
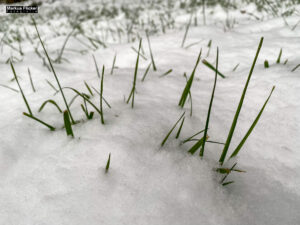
49, 178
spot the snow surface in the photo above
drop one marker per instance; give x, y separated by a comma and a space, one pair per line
49, 178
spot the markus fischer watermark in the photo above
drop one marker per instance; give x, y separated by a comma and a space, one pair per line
21, 9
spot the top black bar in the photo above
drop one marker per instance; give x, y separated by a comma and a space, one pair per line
21, 9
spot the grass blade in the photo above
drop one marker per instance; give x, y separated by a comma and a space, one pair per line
68, 125
188, 85
234, 122
210, 105
24, 98
166, 73
52, 102
15, 90
166, 138
238, 148
179, 130
101, 94
40, 121
88, 88
186, 31
56, 78
196, 146
31, 82
146, 72
150, 50
279, 56
107, 164
113, 64
206, 63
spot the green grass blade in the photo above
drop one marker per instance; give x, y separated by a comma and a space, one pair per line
24, 98
31, 82
166, 138
226, 183
109, 106
113, 64
107, 164
151, 54
52, 86
234, 69
101, 95
54, 73
206, 63
186, 31
88, 88
52, 102
296, 67
179, 130
68, 125
190, 138
279, 56
266, 64
234, 122
166, 73
97, 69
188, 85
196, 146
238, 148
40, 121
146, 72
5, 86
210, 105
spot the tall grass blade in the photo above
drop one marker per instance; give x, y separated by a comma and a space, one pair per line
210, 105
88, 88
234, 122
54, 73
24, 98
180, 127
238, 148
186, 31
196, 146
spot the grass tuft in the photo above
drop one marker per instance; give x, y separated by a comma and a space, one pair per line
234, 122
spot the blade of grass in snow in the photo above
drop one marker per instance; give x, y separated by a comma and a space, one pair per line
102, 97
58, 59
68, 125
131, 95
52, 102
107, 164
296, 67
15, 90
188, 85
238, 148
192, 44
234, 122
179, 130
234, 69
97, 69
285, 62
113, 64
31, 82
150, 50
51, 85
166, 138
266, 64
144, 57
24, 98
146, 72
228, 174
209, 47
166, 73
56, 78
210, 105
190, 96
190, 138
206, 63
186, 31
226, 183
88, 88
196, 146
279, 56
101, 94
85, 97
40, 121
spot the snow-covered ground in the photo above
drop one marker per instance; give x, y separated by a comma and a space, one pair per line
48, 178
